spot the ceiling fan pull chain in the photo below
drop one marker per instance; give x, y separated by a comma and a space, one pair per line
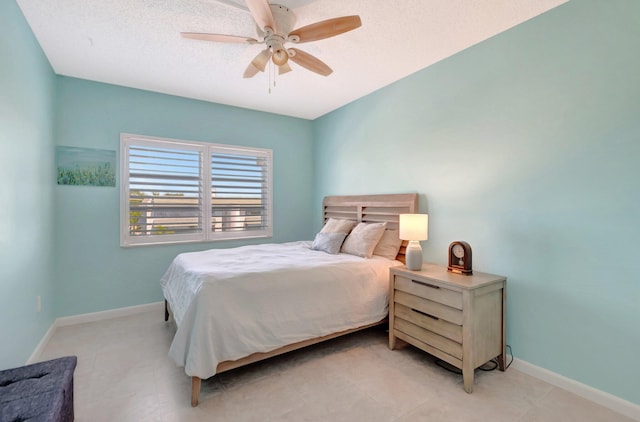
275, 76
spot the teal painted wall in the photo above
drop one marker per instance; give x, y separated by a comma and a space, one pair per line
93, 272
528, 147
26, 189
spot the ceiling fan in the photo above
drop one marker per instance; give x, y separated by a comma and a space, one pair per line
275, 28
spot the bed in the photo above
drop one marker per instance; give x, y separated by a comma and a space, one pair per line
233, 307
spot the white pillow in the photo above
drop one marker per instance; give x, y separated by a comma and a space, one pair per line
363, 239
328, 242
389, 245
338, 225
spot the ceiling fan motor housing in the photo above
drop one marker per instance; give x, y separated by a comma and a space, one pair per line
285, 20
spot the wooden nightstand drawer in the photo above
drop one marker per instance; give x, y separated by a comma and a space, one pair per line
450, 347
437, 325
430, 290
457, 318
429, 307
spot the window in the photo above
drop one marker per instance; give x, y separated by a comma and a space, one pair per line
179, 191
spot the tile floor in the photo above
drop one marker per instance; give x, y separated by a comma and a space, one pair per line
124, 374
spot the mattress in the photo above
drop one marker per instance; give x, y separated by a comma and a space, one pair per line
231, 303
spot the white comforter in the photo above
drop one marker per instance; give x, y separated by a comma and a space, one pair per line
230, 303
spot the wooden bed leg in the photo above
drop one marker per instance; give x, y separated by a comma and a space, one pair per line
195, 391
166, 311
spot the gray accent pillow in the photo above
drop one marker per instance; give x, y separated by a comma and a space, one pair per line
328, 242
363, 239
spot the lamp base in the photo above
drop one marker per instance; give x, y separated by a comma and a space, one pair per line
413, 256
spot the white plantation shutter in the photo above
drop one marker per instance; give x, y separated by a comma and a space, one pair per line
240, 192
167, 184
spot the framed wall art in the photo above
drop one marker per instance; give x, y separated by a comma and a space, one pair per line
85, 166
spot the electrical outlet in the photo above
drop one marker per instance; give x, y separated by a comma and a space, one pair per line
38, 303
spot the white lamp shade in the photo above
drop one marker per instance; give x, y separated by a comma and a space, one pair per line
414, 226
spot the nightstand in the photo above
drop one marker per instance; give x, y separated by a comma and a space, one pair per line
459, 319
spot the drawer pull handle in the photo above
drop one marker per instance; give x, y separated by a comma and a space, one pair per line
425, 284
425, 314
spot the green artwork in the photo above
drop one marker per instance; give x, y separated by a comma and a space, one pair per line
86, 166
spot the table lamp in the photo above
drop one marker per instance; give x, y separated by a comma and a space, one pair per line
414, 228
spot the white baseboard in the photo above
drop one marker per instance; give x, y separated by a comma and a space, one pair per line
91, 317
40, 347
113, 313
610, 401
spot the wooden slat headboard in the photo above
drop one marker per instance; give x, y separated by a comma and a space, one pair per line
372, 209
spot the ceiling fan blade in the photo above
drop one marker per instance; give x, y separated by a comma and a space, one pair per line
285, 68
310, 62
218, 37
261, 12
251, 71
261, 60
325, 29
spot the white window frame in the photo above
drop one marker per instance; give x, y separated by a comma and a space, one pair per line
208, 234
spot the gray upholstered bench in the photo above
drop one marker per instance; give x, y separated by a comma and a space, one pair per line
39, 392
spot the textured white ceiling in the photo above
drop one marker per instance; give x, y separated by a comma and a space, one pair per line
137, 43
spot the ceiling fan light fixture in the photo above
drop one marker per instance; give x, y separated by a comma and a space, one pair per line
285, 68
280, 56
